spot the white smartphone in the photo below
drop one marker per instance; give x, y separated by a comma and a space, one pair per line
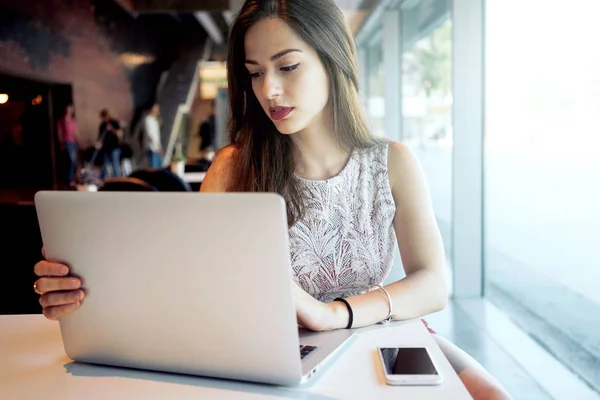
408, 366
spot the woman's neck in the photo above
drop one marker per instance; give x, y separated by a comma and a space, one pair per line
317, 153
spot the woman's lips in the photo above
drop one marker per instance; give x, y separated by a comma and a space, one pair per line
279, 113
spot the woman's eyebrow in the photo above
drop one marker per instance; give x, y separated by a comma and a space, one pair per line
275, 57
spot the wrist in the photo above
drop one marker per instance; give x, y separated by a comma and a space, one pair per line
338, 315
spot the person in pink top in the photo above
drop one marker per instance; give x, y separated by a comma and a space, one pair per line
68, 138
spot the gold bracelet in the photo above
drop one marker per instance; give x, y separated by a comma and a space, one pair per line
390, 315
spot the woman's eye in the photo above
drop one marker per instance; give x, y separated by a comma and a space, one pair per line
290, 68
255, 75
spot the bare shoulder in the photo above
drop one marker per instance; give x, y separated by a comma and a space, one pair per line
221, 171
404, 168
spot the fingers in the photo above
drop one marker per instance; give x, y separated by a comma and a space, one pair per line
61, 298
47, 268
56, 312
49, 284
59, 294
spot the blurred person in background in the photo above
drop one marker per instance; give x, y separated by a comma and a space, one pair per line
68, 138
150, 127
109, 138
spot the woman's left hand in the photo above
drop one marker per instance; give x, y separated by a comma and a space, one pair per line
316, 315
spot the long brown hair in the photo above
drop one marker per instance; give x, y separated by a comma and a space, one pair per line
265, 161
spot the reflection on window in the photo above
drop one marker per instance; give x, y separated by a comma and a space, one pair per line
375, 84
427, 98
427, 113
542, 175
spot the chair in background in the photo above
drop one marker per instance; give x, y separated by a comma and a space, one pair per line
128, 184
162, 179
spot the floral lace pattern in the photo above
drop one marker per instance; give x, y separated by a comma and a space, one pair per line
345, 242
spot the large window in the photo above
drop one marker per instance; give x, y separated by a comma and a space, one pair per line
375, 85
427, 101
542, 174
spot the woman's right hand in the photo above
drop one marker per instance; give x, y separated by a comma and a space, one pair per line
61, 294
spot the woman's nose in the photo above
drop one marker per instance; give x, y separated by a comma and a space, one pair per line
271, 86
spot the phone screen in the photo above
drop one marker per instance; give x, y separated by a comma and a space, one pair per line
407, 361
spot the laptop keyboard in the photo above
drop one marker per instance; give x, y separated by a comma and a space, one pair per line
306, 350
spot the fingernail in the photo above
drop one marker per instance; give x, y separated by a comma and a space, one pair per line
64, 270
74, 283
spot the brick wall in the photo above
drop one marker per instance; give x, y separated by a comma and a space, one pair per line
93, 45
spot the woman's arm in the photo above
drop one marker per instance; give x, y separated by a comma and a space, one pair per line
424, 289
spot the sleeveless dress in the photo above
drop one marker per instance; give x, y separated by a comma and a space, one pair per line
345, 242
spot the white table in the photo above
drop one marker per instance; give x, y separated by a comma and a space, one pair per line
33, 365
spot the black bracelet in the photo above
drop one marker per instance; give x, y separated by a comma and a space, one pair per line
350, 313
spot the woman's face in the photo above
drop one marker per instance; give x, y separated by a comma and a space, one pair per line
288, 77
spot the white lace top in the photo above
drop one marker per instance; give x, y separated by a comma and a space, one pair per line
345, 242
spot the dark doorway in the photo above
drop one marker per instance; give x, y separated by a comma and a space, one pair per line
29, 152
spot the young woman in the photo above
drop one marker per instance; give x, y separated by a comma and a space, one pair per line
298, 129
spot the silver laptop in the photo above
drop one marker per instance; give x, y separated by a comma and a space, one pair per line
192, 283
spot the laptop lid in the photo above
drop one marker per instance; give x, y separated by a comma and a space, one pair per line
195, 283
